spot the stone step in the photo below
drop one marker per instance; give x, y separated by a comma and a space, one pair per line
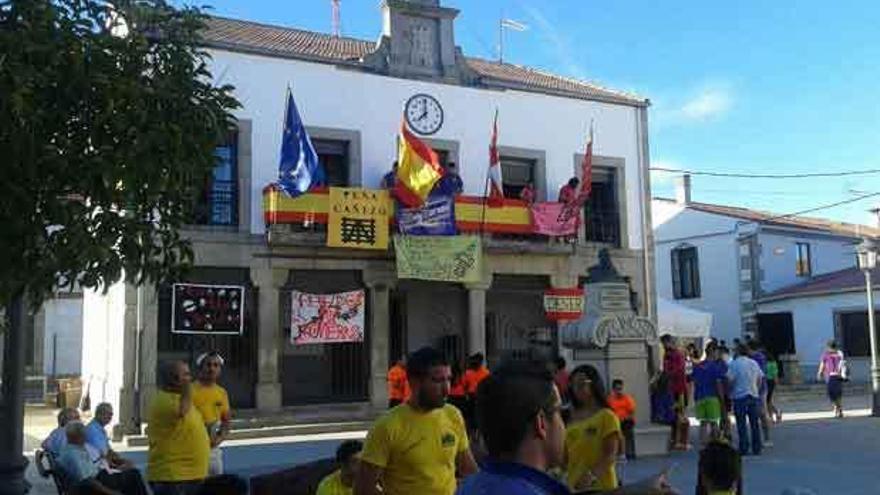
275, 431
292, 421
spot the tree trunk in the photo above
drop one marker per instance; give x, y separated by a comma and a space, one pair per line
12, 462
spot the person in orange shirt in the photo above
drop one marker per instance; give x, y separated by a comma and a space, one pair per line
475, 373
398, 384
624, 406
457, 393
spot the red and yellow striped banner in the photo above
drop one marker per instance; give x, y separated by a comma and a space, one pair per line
511, 218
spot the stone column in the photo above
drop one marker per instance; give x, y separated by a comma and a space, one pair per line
379, 291
127, 411
565, 280
269, 280
476, 329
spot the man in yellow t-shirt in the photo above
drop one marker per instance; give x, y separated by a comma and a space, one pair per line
177, 460
341, 482
422, 445
212, 402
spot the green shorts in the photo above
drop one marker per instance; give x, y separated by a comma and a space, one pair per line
708, 409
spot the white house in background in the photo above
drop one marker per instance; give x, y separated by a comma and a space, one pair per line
745, 267
829, 306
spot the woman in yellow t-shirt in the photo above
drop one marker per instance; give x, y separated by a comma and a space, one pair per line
592, 437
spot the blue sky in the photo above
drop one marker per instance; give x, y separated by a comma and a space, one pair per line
750, 86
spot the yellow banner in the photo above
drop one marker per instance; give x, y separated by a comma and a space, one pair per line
358, 218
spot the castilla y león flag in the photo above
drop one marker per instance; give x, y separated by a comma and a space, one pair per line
418, 169
496, 188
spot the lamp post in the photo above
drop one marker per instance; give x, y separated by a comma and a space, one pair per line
867, 257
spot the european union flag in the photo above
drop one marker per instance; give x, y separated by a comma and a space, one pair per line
298, 169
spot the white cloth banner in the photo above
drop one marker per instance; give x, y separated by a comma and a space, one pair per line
327, 318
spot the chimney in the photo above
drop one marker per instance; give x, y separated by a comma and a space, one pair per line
683, 189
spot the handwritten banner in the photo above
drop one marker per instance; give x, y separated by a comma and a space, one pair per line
564, 304
554, 219
208, 309
358, 218
436, 217
326, 318
443, 258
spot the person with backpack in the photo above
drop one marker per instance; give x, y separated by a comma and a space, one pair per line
832, 368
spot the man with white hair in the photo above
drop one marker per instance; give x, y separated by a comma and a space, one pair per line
97, 439
76, 463
57, 439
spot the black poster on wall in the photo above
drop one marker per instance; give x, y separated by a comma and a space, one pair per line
207, 309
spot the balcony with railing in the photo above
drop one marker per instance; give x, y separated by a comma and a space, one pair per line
303, 221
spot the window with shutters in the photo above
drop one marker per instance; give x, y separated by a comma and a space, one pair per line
803, 268
685, 272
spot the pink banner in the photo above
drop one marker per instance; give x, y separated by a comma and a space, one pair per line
555, 219
327, 318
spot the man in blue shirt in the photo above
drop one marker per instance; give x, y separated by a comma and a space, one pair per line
76, 463
519, 413
708, 377
745, 383
96, 437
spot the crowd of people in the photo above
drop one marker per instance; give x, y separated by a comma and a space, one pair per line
523, 428
718, 382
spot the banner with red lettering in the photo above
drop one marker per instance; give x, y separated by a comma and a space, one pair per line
554, 219
327, 318
564, 304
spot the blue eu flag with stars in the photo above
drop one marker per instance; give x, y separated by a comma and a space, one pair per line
298, 169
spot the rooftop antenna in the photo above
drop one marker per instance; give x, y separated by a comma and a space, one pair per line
507, 24
337, 21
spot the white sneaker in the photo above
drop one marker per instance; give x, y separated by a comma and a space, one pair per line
767, 443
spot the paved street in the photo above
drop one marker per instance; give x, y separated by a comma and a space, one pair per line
812, 451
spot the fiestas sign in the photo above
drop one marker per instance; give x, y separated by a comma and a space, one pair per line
564, 304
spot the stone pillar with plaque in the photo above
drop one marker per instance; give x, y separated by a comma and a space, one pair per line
611, 336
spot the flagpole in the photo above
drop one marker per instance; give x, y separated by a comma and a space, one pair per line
486, 182
483, 202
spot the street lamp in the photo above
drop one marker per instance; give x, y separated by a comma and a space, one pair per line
867, 258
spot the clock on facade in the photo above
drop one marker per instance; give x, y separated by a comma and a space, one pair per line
424, 114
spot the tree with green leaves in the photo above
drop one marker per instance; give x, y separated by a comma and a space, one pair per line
109, 117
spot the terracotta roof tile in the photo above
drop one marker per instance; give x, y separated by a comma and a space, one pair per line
768, 218
252, 37
842, 280
274, 40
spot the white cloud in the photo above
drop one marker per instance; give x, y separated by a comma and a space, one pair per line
707, 104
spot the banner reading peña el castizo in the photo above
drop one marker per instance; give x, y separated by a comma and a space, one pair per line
358, 218
442, 258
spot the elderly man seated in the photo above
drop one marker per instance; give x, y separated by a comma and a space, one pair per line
58, 438
76, 464
97, 439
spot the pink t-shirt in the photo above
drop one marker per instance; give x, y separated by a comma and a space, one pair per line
831, 363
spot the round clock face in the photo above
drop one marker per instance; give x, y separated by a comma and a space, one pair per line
424, 114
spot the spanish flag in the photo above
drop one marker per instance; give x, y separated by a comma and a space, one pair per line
418, 169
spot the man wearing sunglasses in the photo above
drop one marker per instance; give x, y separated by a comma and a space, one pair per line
519, 416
